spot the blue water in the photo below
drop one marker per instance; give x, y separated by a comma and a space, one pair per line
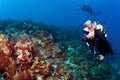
66, 13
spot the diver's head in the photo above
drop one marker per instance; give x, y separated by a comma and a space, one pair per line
88, 29
88, 24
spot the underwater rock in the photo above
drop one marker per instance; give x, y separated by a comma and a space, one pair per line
32, 51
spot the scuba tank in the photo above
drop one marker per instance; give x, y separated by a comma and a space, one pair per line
100, 27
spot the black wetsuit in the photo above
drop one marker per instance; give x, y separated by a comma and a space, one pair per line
100, 43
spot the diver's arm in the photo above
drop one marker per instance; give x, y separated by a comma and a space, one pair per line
91, 46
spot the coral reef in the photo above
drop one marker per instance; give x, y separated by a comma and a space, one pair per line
36, 51
7, 63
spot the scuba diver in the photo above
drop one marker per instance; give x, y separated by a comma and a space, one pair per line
96, 38
88, 9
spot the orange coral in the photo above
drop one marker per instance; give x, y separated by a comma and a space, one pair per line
22, 75
40, 67
31, 65
21, 45
7, 63
23, 50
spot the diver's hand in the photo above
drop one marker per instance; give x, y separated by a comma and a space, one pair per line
100, 57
